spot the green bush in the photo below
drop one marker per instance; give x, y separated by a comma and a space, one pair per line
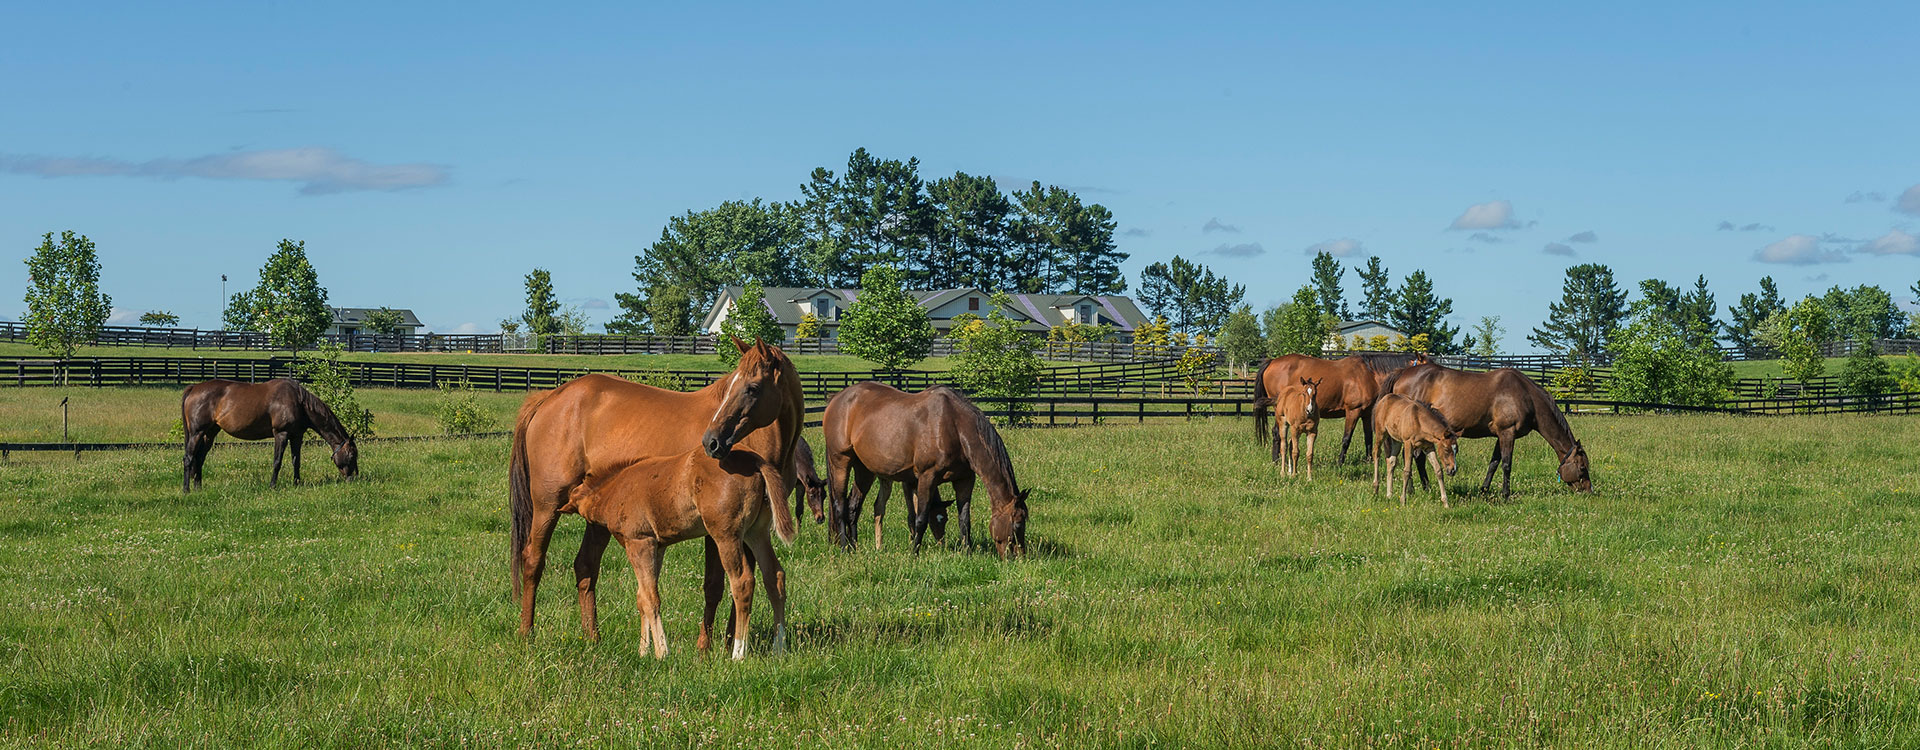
320, 370
459, 411
885, 325
749, 320
1865, 373
994, 359
1654, 363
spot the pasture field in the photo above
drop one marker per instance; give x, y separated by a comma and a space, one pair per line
1734, 582
147, 414
697, 362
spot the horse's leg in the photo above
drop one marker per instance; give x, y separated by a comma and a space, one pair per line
857, 497
1506, 465
1353, 415
716, 587
189, 462
1311, 437
1493, 465
1409, 456
924, 499
735, 559
837, 530
1373, 451
293, 447
200, 457
1422, 466
279, 450
880, 507
586, 577
1433, 457
1366, 428
775, 577
1279, 435
533, 561
645, 554
963, 500
1390, 470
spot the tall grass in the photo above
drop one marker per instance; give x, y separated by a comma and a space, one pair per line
1733, 582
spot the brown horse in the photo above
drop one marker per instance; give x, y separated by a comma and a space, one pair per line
810, 491
1502, 404
1349, 386
280, 409
1419, 429
597, 424
920, 440
655, 502
1295, 414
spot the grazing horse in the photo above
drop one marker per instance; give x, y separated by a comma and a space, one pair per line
811, 490
1502, 404
1419, 429
596, 424
1296, 414
655, 502
920, 440
1349, 386
280, 409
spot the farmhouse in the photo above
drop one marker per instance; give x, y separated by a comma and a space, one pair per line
1036, 312
1365, 329
353, 320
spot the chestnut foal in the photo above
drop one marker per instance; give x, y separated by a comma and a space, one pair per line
1419, 429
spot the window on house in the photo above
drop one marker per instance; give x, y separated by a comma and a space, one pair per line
1086, 314
973, 303
820, 308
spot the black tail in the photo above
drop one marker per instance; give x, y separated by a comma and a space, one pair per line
1261, 401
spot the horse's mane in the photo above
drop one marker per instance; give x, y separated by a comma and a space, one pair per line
322, 416
1385, 363
983, 427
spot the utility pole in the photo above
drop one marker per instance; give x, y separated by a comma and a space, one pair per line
223, 302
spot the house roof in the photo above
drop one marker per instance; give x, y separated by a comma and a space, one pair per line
354, 316
1350, 325
788, 304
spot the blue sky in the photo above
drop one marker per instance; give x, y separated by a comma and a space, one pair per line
430, 154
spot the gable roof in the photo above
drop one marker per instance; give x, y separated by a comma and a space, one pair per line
353, 316
1350, 325
788, 304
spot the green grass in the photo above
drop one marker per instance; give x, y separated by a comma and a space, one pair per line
701, 362
1771, 368
143, 414
1733, 582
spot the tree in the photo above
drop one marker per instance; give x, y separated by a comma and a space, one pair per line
748, 319
994, 358
1241, 338
1418, 310
680, 274
1485, 339
1065, 246
1591, 306
1376, 290
1752, 313
320, 370
1654, 361
885, 325
1297, 327
288, 305
1326, 283
383, 320
1189, 294
1865, 373
808, 328
65, 306
972, 235
1698, 315
239, 313
159, 319
1796, 334
881, 208
1864, 311
541, 304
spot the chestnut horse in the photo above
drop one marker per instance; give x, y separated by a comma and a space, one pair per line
920, 440
809, 491
281, 409
597, 424
1419, 429
1296, 414
1502, 404
1348, 388
655, 502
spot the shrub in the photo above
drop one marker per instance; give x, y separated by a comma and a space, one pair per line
459, 411
320, 370
993, 358
1072, 331
1571, 381
1906, 373
1865, 373
1654, 363
749, 320
809, 327
1152, 338
1196, 367
885, 325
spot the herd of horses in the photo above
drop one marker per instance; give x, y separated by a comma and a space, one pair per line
650, 467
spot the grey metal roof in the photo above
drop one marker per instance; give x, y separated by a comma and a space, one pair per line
358, 315
788, 304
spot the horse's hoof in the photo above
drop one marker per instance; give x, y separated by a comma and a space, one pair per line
779, 639
739, 649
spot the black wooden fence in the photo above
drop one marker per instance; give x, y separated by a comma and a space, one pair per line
194, 338
1068, 351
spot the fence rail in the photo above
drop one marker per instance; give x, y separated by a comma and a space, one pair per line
1069, 351
194, 338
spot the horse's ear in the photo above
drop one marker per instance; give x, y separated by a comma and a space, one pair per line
738, 344
1023, 495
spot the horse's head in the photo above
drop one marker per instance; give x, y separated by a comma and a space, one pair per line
347, 456
752, 398
1446, 448
1573, 469
1313, 396
1009, 527
816, 491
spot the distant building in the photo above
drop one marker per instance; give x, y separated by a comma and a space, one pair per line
1365, 329
353, 320
1036, 312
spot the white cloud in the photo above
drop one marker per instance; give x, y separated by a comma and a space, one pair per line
1215, 225
1909, 202
1895, 242
1556, 248
1247, 250
1344, 247
1798, 250
121, 316
1586, 236
318, 170
1489, 215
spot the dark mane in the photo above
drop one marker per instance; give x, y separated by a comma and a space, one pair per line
1384, 362
983, 427
324, 421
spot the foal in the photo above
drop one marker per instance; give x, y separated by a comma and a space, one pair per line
654, 502
1419, 429
1296, 412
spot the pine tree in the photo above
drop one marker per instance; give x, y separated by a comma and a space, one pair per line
1751, 314
1418, 310
541, 304
1326, 283
1698, 315
1583, 321
1376, 290
65, 306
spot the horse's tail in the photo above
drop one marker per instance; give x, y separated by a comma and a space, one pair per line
520, 488
1261, 401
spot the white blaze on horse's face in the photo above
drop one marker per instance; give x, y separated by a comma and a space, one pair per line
736, 406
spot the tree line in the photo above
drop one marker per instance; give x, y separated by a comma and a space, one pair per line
957, 231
